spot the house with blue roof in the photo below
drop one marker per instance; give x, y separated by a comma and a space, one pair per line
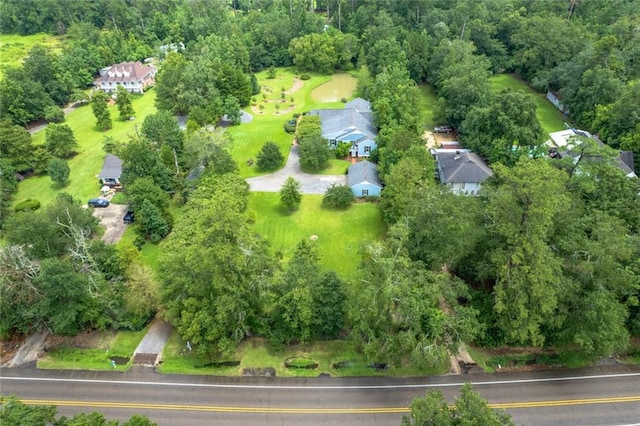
363, 179
352, 125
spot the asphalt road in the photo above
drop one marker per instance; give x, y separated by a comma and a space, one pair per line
596, 396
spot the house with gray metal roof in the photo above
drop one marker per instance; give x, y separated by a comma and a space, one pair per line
111, 171
461, 170
363, 179
352, 125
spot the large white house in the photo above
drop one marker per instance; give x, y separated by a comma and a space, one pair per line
133, 76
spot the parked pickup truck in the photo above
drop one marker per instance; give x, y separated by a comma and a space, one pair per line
443, 129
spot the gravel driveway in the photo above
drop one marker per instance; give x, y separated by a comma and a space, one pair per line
111, 218
309, 184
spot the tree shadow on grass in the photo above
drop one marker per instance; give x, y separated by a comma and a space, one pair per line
55, 186
285, 211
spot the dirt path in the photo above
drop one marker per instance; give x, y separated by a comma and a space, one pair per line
297, 85
429, 138
462, 361
30, 350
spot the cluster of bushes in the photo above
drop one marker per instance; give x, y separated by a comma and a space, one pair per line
27, 205
290, 126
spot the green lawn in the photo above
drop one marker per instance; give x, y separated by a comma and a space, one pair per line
13, 47
340, 233
258, 353
268, 122
122, 344
427, 103
550, 118
335, 167
86, 165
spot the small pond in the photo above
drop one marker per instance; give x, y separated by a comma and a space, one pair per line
340, 86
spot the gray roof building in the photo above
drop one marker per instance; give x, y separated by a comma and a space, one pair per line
563, 142
352, 124
363, 171
462, 166
363, 179
111, 168
359, 104
339, 122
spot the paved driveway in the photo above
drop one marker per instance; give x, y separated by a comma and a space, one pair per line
309, 184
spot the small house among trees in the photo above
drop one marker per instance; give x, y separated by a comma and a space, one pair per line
574, 143
133, 76
111, 171
351, 125
461, 170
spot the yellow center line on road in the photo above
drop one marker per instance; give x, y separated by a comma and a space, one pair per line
269, 410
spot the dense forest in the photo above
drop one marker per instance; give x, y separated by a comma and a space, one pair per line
547, 254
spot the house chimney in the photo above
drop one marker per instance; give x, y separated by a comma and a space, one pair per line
457, 157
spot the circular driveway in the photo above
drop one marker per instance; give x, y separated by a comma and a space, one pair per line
309, 184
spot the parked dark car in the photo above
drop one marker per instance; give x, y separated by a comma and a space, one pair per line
129, 217
98, 202
443, 129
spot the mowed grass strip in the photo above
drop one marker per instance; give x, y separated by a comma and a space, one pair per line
86, 165
340, 233
550, 118
258, 353
426, 106
123, 344
268, 122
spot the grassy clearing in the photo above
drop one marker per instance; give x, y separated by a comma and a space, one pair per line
491, 360
426, 106
340, 233
177, 359
14, 48
550, 118
268, 122
86, 165
122, 344
258, 353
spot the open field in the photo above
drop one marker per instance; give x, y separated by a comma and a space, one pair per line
14, 48
550, 118
259, 354
340, 233
86, 165
268, 122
